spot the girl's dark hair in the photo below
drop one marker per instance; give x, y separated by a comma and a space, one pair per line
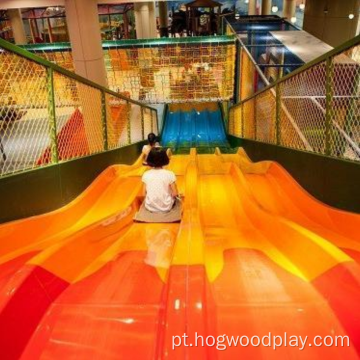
152, 138
157, 157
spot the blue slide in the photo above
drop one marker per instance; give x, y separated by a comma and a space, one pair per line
192, 128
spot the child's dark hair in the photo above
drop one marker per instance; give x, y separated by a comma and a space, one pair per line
157, 158
152, 138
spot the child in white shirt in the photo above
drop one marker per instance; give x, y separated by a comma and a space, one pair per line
160, 184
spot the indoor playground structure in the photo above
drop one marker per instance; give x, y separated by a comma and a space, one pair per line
269, 170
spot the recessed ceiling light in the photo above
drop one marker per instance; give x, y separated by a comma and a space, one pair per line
274, 9
351, 16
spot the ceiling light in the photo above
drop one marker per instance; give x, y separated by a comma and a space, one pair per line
246, 1
274, 9
351, 16
302, 6
237, 16
57, 8
293, 19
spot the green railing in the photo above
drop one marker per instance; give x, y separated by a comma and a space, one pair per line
49, 115
315, 108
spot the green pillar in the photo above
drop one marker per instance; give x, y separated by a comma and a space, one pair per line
328, 107
52, 115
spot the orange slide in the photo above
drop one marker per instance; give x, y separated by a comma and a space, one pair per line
253, 255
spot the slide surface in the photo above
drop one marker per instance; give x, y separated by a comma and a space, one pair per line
194, 125
254, 255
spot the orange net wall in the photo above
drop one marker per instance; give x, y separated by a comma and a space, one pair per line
171, 73
247, 72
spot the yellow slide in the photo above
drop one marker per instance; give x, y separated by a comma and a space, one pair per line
253, 254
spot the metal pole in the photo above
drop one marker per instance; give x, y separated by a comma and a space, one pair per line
255, 119
238, 72
51, 38
328, 108
128, 109
278, 114
152, 122
104, 120
242, 121
142, 123
52, 115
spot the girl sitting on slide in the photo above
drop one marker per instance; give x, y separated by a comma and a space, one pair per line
159, 184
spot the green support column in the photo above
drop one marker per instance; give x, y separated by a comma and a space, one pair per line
278, 115
242, 121
238, 72
225, 112
157, 120
329, 98
52, 116
104, 120
255, 119
128, 106
351, 112
152, 122
142, 123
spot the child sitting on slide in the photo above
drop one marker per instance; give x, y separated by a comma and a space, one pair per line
152, 142
159, 184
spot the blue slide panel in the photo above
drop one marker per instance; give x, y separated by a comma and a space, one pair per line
183, 129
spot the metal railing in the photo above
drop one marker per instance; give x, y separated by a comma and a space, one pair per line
50, 115
316, 108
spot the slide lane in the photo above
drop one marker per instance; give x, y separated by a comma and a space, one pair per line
44, 281
250, 273
189, 125
277, 193
113, 289
260, 273
23, 240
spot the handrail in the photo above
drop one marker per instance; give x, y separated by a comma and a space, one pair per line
139, 43
35, 58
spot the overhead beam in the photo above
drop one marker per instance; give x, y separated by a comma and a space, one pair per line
24, 4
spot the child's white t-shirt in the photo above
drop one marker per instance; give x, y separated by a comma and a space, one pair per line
158, 192
146, 149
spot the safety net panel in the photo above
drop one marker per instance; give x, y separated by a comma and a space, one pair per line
50, 115
315, 109
162, 70
24, 125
